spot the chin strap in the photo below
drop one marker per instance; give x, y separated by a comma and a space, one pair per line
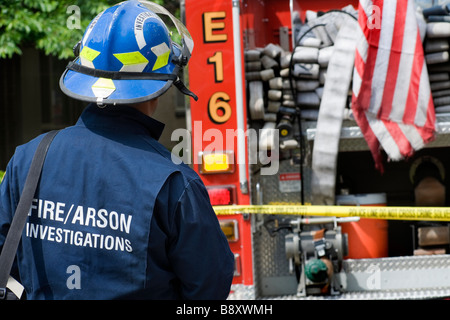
180, 86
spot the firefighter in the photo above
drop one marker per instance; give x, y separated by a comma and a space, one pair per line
114, 217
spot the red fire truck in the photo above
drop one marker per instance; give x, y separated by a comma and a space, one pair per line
252, 147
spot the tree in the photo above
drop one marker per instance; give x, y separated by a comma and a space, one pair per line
53, 26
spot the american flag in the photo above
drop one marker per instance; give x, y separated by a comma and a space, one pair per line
391, 100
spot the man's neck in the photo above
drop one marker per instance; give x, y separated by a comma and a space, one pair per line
148, 107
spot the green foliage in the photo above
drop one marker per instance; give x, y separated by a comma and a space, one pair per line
44, 24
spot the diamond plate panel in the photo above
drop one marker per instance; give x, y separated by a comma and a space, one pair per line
270, 185
271, 267
353, 140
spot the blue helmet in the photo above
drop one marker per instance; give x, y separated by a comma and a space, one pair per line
127, 56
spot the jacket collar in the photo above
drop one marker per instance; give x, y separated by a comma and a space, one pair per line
120, 117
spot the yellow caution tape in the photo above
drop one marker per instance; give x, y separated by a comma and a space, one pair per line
370, 212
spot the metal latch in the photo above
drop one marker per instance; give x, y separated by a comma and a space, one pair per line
2, 293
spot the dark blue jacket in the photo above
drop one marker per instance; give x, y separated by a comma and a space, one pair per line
114, 217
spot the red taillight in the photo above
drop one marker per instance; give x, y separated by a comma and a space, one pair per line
221, 196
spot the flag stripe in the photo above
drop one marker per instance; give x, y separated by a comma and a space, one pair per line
384, 137
362, 45
403, 74
372, 37
395, 56
383, 54
417, 77
370, 136
413, 135
400, 139
423, 98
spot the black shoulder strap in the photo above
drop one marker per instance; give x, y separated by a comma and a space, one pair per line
20, 217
